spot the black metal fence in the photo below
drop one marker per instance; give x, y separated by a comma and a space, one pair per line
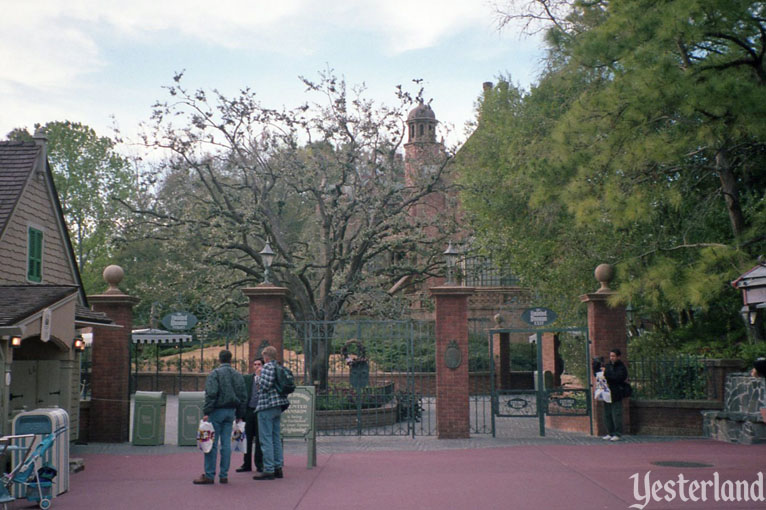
173, 367
479, 376
372, 377
674, 378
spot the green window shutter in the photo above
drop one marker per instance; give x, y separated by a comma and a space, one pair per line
35, 255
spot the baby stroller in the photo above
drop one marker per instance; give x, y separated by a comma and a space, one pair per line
35, 483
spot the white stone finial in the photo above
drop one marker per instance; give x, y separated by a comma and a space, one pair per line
113, 275
604, 274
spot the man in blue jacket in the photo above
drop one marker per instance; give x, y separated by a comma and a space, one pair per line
225, 398
270, 407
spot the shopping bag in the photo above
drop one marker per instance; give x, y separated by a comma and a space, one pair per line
238, 438
205, 436
602, 388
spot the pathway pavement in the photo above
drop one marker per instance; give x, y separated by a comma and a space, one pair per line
427, 473
559, 471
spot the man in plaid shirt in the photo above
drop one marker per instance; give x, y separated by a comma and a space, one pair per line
269, 412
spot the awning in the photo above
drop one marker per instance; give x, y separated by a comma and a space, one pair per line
158, 336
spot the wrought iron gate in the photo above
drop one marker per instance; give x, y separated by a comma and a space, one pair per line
563, 391
372, 377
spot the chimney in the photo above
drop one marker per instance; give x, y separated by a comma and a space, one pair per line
41, 140
40, 137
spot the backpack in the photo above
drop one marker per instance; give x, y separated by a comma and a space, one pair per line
284, 381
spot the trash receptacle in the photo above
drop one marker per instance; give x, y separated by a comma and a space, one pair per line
149, 418
45, 421
190, 404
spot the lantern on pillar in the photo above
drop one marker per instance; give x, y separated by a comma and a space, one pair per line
450, 255
267, 255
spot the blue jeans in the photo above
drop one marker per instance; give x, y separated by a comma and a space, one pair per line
271, 438
222, 420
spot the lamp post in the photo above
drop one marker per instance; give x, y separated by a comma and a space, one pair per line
752, 284
267, 255
450, 255
749, 313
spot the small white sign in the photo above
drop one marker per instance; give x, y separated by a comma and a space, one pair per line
45, 327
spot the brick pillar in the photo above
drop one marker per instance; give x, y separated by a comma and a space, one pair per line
265, 322
550, 352
504, 366
109, 419
452, 413
607, 330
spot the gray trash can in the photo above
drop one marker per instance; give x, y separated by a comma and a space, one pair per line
190, 404
149, 418
41, 422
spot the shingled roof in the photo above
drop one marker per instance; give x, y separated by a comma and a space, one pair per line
17, 160
83, 314
18, 302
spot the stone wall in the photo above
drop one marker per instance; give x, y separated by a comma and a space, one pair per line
741, 420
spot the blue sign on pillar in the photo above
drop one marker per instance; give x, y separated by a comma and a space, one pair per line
538, 316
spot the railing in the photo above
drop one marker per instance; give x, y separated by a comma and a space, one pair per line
678, 378
481, 272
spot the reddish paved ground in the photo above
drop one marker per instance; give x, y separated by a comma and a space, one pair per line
548, 476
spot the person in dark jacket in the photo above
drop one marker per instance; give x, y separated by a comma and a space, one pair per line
225, 398
616, 374
251, 421
759, 368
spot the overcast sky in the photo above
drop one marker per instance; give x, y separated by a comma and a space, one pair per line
91, 60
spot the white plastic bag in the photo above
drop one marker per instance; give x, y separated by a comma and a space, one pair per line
602, 389
205, 436
238, 439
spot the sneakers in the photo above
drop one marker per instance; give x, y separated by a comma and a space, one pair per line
607, 437
223, 480
243, 469
615, 438
264, 476
278, 473
203, 480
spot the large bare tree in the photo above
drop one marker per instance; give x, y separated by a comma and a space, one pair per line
323, 183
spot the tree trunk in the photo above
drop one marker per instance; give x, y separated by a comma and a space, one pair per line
730, 192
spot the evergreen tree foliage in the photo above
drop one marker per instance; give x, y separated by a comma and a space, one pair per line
643, 145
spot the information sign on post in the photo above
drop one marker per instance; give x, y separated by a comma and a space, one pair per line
298, 421
179, 321
538, 316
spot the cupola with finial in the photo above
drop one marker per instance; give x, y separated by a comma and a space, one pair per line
421, 124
